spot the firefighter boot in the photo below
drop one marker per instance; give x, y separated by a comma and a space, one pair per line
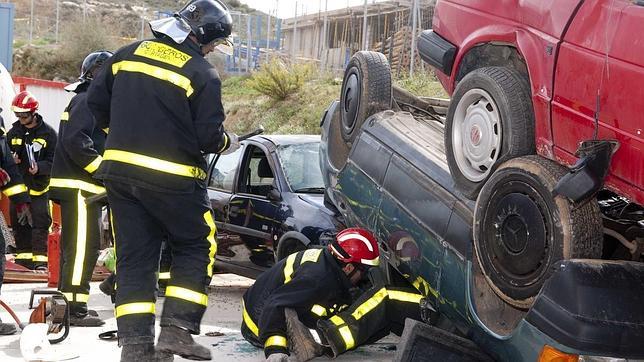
178, 341
143, 352
303, 346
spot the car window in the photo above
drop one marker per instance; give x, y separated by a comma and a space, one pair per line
223, 174
301, 166
259, 176
371, 156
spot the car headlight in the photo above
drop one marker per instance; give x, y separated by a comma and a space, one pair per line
551, 354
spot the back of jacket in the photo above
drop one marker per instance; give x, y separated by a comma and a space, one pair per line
162, 104
79, 149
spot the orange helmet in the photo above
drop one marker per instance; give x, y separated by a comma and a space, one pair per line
24, 102
355, 245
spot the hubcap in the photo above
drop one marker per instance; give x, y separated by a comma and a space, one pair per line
476, 134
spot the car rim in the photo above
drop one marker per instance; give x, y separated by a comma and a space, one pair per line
476, 134
350, 102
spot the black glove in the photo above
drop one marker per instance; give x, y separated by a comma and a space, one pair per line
23, 212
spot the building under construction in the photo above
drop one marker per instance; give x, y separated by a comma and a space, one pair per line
332, 37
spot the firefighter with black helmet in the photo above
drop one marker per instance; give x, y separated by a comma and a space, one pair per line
161, 100
32, 142
77, 157
317, 289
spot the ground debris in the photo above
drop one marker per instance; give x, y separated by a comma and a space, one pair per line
214, 334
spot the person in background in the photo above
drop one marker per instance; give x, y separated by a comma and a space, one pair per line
78, 155
32, 142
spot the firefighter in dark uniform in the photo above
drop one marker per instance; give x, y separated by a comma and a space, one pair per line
317, 286
11, 184
32, 142
161, 100
77, 157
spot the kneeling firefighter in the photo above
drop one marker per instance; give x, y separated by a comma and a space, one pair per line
316, 289
78, 155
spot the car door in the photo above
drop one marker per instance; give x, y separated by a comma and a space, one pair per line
251, 216
600, 68
222, 174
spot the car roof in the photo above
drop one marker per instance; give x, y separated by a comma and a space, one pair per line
286, 140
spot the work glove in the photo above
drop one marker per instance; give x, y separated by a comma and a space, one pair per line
233, 143
23, 211
277, 357
4, 177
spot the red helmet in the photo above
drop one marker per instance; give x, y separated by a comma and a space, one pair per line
355, 245
24, 102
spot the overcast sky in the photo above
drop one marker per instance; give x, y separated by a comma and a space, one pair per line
286, 8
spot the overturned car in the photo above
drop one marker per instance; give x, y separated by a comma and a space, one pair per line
518, 271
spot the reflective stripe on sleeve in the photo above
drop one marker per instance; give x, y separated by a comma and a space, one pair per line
187, 295
156, 72
93, 166
211, 239
248, 321
404, 296
38, 193
134, 308
288, 268
15, 189
369, 304
318, 310
344, 331
274, 341
154, 164
16, 141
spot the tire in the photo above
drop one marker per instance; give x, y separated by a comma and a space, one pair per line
490, 120
521, 230
287, 247
366, 90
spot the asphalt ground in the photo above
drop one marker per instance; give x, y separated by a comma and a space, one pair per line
222, 318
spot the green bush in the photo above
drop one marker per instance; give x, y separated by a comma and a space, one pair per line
279, 80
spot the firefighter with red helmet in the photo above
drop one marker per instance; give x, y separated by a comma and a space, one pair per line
77, 157
161, 100
32, 142
318, 289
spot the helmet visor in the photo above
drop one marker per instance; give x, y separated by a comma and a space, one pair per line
174, 27
224, 45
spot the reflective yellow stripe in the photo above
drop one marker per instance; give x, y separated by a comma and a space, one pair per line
113, 238
38, 193
345, 332
318, 310
106, 130
186, 294
164, 275
369, 304
288, 268
16, 141
76, 184
40, 258
64, 116
77, 297
311, 255
211, 238
156, 72
14, 190
404, 296
154, 164
275, 341
337, 320
163, 53
93, 166
372, 262
27, 256
249, 322
41, 141
134, 308
81, 236
226, 140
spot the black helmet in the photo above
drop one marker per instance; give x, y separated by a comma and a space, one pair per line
209, 20
92, 63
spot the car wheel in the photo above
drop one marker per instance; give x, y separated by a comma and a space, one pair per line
521, 229
366, 90
287, 247
490, 120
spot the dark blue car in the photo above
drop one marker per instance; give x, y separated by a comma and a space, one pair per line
268, 202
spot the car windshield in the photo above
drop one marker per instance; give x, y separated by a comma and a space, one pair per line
302, 167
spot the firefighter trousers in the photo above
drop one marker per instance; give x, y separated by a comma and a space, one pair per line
377, 312
140, 219
80, 240
31, 240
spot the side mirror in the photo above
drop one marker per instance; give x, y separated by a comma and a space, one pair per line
274, 195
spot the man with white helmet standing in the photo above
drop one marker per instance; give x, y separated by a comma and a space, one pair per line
162, 103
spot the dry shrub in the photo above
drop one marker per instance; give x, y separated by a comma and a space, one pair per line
278, 79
